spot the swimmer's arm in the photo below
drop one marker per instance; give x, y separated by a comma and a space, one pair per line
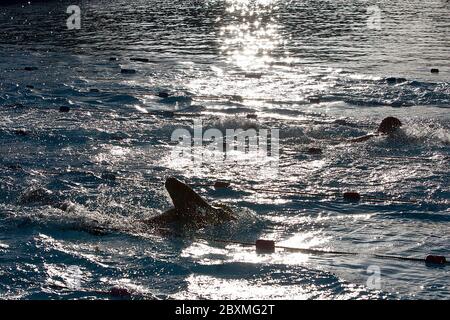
168, 216
363, 138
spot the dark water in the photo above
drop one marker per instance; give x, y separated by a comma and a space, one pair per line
278, 57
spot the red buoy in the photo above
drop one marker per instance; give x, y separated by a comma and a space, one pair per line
435, 259
119, 292
221, 185
265, 246
314, 150
352, 196
314, 100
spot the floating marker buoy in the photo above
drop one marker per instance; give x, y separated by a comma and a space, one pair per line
236, 98
435, 259
163, 94
314, 151
30, 68
253, 75
119, 292
108, 176
127, 71
21, 132
252, 116
265, 246
314, 100
64, 109
393, 80
352, 196
140, 59
221, 185
434, 70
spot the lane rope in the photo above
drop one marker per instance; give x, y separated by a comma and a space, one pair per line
349, 196
269, 246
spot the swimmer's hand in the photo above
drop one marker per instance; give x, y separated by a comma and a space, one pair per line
363, 138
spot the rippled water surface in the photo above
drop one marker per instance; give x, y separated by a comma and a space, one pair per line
315, 70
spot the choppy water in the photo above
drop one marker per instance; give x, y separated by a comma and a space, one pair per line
276, 56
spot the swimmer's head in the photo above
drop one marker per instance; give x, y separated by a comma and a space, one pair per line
389, 125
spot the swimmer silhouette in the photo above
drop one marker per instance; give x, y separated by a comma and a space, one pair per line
190, 208
387, 127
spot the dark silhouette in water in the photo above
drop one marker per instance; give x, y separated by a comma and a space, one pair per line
387, 127
190, 208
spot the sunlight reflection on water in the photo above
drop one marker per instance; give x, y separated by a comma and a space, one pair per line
309, 68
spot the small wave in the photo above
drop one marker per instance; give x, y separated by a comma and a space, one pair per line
430, 132
122, 99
